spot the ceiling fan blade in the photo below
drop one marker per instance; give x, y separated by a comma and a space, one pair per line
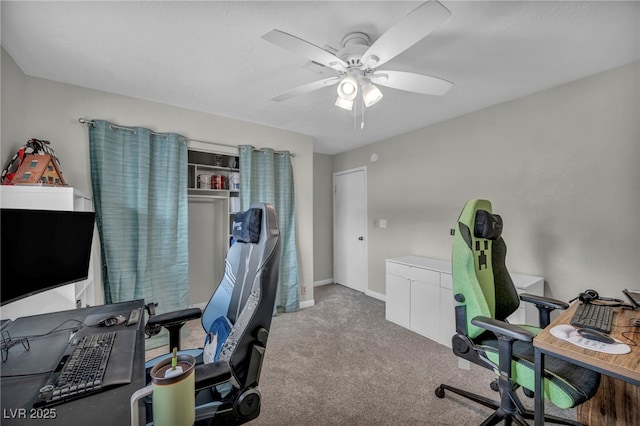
306, 88
411, 82
305, 49
404, 34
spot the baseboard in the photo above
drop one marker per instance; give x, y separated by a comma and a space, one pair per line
376, 295
323, 282
307, 303
303, 304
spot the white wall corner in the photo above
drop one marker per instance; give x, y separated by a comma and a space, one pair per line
307, 304
376, 295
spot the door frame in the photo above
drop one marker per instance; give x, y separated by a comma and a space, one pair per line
362, 169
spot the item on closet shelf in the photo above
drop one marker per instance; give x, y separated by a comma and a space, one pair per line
234, 181
218, 182
218, 160
234, 204
233, 162
33, 146
204, 181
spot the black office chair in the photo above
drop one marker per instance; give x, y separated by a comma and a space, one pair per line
237, 321
486, 296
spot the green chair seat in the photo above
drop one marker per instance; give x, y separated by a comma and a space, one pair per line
565, 385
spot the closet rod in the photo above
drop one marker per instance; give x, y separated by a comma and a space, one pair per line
91, 123
237, 146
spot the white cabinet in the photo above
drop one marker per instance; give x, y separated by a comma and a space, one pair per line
448, 326
419, 296
50, 198
415, 293
425, 285
398, 297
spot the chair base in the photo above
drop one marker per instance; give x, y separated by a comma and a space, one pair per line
500, 415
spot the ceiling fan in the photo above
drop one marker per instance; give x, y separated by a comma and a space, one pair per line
356, 64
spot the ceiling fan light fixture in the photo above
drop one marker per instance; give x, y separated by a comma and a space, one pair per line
348, 88
344, 103
371, 95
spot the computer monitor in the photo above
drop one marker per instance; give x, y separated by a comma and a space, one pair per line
42, 249
633, 296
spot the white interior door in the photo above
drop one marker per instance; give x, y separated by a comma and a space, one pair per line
350, 227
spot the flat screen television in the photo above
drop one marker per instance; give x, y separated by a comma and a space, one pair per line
42, 249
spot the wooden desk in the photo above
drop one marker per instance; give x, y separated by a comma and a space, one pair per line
618, 398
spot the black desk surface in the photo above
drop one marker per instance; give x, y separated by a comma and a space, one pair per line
25, 372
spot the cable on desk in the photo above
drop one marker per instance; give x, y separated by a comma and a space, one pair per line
53, 330
11, 376
9, 341
635, 323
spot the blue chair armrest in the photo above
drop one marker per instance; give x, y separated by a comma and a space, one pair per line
174, 317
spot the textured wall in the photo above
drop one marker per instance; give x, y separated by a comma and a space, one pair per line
322, 217
560, 166
51, 111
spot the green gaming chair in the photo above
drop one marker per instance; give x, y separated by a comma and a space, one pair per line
485, 297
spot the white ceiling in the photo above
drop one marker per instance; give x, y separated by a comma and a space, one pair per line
209, 56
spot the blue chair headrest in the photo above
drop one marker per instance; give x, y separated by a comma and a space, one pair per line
487, 225
246, 226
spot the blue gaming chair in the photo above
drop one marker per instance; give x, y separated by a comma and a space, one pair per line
237, 321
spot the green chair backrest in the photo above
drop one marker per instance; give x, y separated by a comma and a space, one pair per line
479, 271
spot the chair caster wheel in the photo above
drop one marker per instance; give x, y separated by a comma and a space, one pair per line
439, 392
494, 386
528, 393
248, 403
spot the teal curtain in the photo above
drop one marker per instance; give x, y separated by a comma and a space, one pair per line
139, 181
267, 176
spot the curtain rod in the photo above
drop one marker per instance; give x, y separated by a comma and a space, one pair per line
92, 123
115, 126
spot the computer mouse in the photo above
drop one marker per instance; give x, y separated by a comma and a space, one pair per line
111, 321
590, 334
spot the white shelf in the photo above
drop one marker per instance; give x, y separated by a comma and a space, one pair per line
44, 197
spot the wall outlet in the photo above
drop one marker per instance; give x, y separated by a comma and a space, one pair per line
382, 223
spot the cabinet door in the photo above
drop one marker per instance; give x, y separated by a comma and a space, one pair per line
397, 300
447, 305
425, 300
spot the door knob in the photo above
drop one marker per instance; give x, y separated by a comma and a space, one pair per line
361, 238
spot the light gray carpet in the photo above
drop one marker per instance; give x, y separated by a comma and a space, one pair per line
341, 363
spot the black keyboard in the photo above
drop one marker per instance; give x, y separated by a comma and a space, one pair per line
86, 368
596, 317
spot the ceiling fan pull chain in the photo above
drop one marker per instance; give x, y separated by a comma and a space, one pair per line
355, 114
362, 117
